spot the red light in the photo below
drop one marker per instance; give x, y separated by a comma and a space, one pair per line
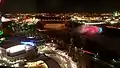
89, 29
1, 2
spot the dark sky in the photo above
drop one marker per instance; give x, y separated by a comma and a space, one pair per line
59, 5
19, 6
78, 5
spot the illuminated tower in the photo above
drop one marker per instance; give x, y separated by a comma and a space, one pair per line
115, 14
116, 4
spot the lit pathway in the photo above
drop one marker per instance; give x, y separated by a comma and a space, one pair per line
60, 56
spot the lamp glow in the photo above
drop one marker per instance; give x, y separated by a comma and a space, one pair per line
28, 43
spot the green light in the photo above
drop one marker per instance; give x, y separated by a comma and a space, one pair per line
115, 13
1, 32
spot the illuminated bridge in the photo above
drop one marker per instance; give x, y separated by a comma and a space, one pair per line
94, 23
54, 20
51, 18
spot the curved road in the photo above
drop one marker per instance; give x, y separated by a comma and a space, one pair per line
49, 61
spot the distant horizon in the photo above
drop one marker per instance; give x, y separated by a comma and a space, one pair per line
50, 12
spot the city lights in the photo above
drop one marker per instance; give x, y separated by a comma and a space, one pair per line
64, 46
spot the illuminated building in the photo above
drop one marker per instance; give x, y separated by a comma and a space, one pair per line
18, 50
22, 51
115, 13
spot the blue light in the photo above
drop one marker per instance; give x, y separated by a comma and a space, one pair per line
28, 43
100, 30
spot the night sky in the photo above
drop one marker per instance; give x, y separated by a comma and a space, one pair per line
59, 5
18, 6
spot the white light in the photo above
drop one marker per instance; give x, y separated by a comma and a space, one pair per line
3, 19
17, 48
12, 62
114, 60
0, 51
112, 22
28, 43
0, 64
2, 39
108, 19
48, 44
12, 65
25, 60
5, 59
16, 65
30, 37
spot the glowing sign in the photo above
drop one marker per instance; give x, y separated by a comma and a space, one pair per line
28, 43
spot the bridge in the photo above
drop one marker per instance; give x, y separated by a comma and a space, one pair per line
98, 23
54, 20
